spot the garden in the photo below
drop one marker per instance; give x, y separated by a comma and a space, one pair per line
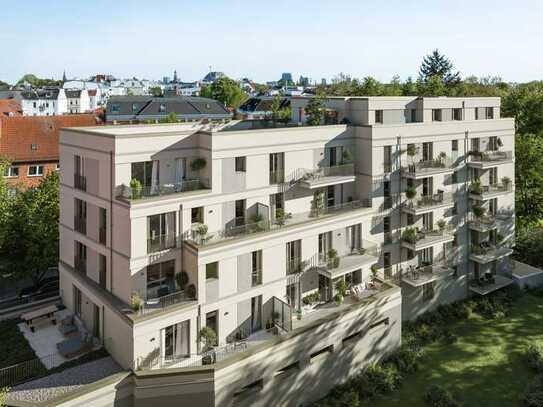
484, 351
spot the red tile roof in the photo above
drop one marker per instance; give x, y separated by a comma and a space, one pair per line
10, 107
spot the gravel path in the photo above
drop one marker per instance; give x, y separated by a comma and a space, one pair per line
55, 385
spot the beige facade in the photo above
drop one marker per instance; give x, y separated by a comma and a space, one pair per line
255, 233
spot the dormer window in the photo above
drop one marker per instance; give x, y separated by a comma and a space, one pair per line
134, 107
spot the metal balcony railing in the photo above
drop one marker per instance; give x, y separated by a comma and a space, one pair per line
315, 174
127, 192
161, 303
427, 166
477, 189
427, 201
160, 242
490, 156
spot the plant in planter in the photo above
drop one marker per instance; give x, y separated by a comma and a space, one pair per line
333, 260
209, 338
318, 203
136, 188
506, 181
201, 230
410, 192
442, 156
478, 211
191, 291
374, 270
338, 298
281, 217
409, 235
441, 225
362, 251
341, 287
136, 302
475, 187
198, 164
182, 279
412, 150
347, 158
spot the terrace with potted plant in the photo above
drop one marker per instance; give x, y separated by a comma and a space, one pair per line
481, 191
327, 174
415, 238
415, 166
417, 205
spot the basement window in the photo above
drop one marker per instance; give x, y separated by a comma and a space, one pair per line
320, 354
250, 389
352, 338
382, 322
288, 370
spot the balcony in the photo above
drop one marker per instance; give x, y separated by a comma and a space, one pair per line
482, 192
423, 169
325, 176
427, 203
338, 266
488, 159
160, 242
486, 223
415, 240
157, 304
489, 284
201, 237
420, 275
487, 252
80, 182
135, 193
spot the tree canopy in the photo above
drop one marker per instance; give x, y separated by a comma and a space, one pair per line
436, 65
315, 109
37, 82
225, 90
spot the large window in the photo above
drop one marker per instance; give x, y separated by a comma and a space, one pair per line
80, 216
240, 164
489, 112
160, 279
160, 232
378, 116
212, 270
436, 115
256, 267
146, 172
35, 170
11, 172
387, 158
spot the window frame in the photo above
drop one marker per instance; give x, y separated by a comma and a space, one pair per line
37, 174
9, 172
379, 116
437, 115
214, 273
240, 164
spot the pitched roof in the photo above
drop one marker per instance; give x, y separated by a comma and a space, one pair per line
10, 107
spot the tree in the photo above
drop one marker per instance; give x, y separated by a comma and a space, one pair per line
438, 65
32, 230
5, 200
3, 395
156, 91
36, 82
226, 91
434, 86
170, 118
280, 114
529, 177
315, 110
4, 85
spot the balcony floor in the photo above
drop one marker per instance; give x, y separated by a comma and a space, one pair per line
491, 255
436, 273
428, 241
326, 181
499, 282
347, 264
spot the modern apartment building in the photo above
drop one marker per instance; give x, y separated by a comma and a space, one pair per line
300, 247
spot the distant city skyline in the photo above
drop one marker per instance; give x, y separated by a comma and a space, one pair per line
241, 39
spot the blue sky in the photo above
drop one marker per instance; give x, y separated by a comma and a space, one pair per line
262, 39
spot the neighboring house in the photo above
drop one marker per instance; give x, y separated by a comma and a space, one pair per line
141, 108
31, 144
182, 89
44, 102
98, 91
257, 108
212, 77
271, 237
10, 107
78, 101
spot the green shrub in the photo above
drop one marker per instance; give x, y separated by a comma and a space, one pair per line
437, 396
406, 359
533, 395
378, 379
534, 356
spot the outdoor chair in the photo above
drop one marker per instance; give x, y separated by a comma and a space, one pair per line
75, 346
67, 325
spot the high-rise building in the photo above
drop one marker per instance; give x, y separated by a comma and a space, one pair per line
222, 262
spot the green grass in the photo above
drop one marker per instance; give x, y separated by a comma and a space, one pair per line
14, 348
485, 367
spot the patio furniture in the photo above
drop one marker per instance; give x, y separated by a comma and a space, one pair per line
67, 325
75, 346
48, 312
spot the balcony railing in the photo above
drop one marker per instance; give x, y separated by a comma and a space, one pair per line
80, 225
477, 189
423, 237
491, 249
419, 275
127, 192
428, 201
234, 232
277, 177
487, 222
490, 156
80, 182
369, 249
343, 170
427, 166
160, 303
160, 242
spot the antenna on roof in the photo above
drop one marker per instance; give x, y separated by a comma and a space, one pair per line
209, 68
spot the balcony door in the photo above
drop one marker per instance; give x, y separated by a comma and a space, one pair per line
180, 170
333, 155
427, 186
256, 313
425, 256
427, 151
175, 341
355, 237
294, 255
325, 244
161, 231
428, 221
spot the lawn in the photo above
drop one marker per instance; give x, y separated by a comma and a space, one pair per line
484, 367
14, 348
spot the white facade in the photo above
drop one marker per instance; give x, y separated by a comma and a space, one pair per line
265, 220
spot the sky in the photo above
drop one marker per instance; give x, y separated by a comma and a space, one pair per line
262, 39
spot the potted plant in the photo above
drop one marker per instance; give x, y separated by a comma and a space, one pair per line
136, 188
136, 302
441, 225
209, 338
318, 203
281, 216
410, 235
198, 163
374, 270
410, 192
475, 187
478, 211
338, 298
191, 291
333, 260
506, 181
201, 230
182, 279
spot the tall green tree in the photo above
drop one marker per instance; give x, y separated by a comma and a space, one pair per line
156, 91
315, 109
5, 200
529, 177
227, 91
438, 65
279, 113
32, 230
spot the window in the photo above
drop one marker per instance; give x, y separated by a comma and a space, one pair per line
102, 218
413, 115
436, 115
384, 321
256, 268
11, 172
115, 108
489, 112
77, 300
143, 172
454, 177
410, 219
160, 232
160, 279
197, 215
240, 212
387, 158
320, 353
240, 164
455, 208
102, 271
80, 216
135, 107
386, 224
33, 146
35, 170
212, 270
34, 104
378, 116
330, 196
162, 108
80, 257
454, 146
428, 291
457, 114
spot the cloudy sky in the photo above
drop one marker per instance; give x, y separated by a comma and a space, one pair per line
261, 39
